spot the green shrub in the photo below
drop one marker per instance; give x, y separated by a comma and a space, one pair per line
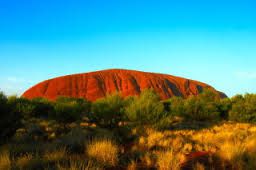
39, 107
3, 102
224, 106
42, 107
108, 112
66, 112
70, 109
145, 109
243, 108
176, 106
206, 106
10, 121
202, 107
22, 106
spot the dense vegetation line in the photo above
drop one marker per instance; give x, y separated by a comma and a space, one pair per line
144, 109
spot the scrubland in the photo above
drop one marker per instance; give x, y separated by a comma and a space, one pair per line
201, 132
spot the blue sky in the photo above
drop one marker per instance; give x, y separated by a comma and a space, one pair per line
211, 41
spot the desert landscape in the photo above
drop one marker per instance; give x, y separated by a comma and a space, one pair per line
131, 120
127, 85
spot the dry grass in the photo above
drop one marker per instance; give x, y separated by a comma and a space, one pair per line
233, 143
234, 153
5, 161
198, 166
250, 143
152, 139
148, 159
78, 165
56, 155
104, 151
168, 160
23, 161
132, 166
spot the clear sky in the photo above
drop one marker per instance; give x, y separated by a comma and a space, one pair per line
213, 41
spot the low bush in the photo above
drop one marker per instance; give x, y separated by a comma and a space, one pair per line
224, 106
42, 107
38, 107
108, 112
146, 109
84, 105
70, 109
22, 106
205, 106
176, 106
243, 108
66, 112
8, 116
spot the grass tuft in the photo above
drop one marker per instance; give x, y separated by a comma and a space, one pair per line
168, 160
104, 151
5, 161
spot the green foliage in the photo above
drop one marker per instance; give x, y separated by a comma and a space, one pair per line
32, 147
145, 109
3, 101
243, 108
176, 106
224, 106
203, 107
38, 107
9, 119
22, 106
108, 112
84, 105
70, 109
113, 111
42, 107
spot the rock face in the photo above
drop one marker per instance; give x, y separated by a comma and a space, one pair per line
95, 85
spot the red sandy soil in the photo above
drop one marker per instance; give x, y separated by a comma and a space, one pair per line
95, 85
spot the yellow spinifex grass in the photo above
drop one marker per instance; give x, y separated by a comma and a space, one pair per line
5, 161
132, 166
232, 143
78, 165
55, 155
104, 151
23, 160
168, 160
228, 145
